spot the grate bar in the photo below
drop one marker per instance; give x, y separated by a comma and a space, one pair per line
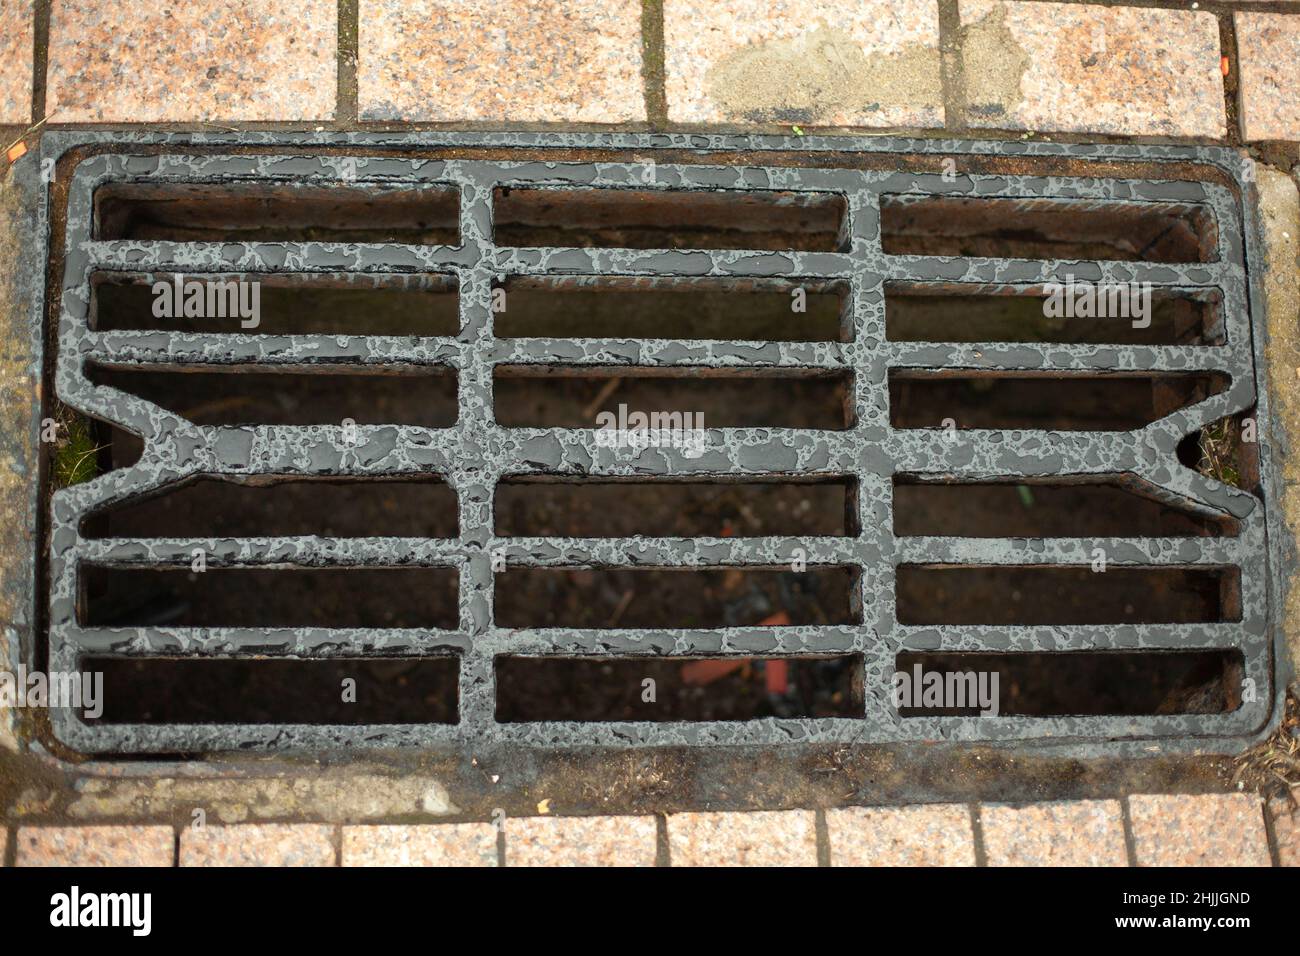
333, 642
1118, 552
1032, 271
644, 552
312, 551
142, 348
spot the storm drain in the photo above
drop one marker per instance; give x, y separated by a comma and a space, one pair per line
680, 446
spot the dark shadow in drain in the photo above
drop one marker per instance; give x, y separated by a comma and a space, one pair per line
529, 396
284, 212
768, 310
1056, 401
1081, 683
423, 305
1066, 594
282, 395
1070, 507
676, 597
244, 691
669, 219
268, 597
966, 313
274, 505
589, 507
655, 689
1047, 229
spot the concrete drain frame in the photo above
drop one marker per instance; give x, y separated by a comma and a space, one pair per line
473, 455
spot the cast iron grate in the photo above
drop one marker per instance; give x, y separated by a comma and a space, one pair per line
914, 270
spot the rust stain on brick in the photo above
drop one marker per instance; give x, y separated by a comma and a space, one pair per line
819, 76
994, 64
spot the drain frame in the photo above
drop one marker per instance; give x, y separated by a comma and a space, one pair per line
871, 452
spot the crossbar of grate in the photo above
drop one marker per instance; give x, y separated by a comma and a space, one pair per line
476, 453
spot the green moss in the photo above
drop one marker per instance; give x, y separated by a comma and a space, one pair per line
75, 452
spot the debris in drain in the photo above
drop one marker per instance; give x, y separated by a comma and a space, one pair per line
1272, 767
1226, 451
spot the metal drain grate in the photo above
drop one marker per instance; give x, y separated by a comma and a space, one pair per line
408, 283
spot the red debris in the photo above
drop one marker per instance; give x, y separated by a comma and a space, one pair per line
706, 672
777, 675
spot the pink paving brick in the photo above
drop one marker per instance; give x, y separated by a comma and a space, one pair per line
17, 25
1286, 828
253, 844
95, 846
1217, 829
576, 61
938, 835
766, 838
1268, 48
817, 62
1078, 833
1086, 68
205, 60
436, 844
581, 841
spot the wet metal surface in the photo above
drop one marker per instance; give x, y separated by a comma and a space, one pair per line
476, 453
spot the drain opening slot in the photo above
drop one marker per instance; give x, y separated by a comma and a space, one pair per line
1047, 229
290, 395
1066, 594
684, 689
690, 309
1077, 683
548, 396
186, 691
277, 212
591, 508
964, 313
1012, 508
1120, 401
675, 597
268, 597
279, 505
424, 305
670, 219
109, 448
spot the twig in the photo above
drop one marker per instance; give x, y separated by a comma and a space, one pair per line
599, 400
